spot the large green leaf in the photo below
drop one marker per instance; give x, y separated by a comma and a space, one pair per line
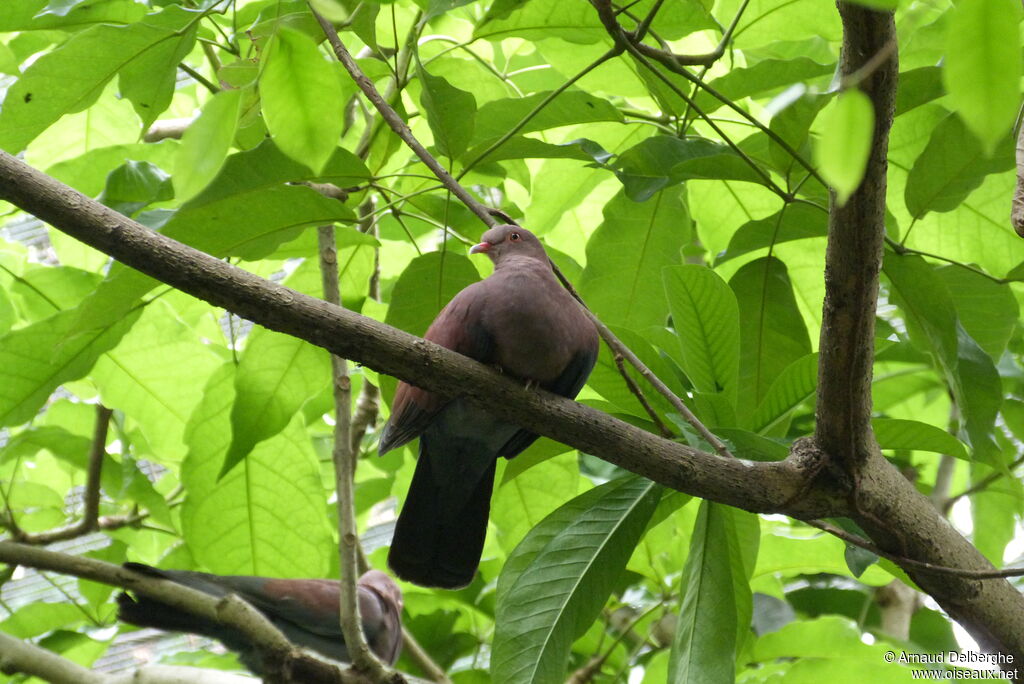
705, 316
70, 78
764, 77
950, 168
556, 581
35, 359
792, 222
302, 98
714, 619
847, 129
276, 375
987, 310
495, 118
266, 517
791, 388
451, 113
206, 142
982, 66
33, 15
148, 81
247, 211
634, 241
524, 501
155, 376
664, 160
932, 322
772, 330
894, 433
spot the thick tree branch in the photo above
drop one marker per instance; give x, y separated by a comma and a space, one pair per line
759, 487
854, 255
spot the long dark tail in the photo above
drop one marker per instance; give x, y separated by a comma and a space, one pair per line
440, 532
146, 612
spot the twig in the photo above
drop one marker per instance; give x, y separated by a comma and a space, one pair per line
904, 561
618, 347
981, 484
639, 394
869, 67
198, 77
900, 248
397, 124
670, 62
537, 109
412, 648
345, 469
91, 520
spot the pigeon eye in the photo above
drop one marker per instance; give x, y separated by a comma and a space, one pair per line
515, 237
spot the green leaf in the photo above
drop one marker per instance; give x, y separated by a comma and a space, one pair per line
206, 142
495, 118
634, 241
134, 186
933, 325
664, 160
706, 319
524, 501
148, 81
556, 581
792, 222
917, 87
302, 98
451, 113
39, 357
772, 330
33, 15
247, 211
425, 287
847, 128
276, 376
982, 66
950, 167
714, 619
795, 385
155, 376
39, 618
606, 380
892, 433
987, 310
764, 78
70, 78
520, 147
266, 517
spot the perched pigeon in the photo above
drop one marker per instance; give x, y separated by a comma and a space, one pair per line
522, 321
305, 610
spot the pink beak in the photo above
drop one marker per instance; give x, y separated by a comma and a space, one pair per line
483, 247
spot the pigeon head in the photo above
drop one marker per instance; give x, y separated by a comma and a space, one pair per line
385, 587
502, 242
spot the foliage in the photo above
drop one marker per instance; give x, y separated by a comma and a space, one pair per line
703, 246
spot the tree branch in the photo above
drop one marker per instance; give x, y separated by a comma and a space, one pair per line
853, 257
903, 560
488, 215
17, 656
759, 487
91, 520
344, 478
